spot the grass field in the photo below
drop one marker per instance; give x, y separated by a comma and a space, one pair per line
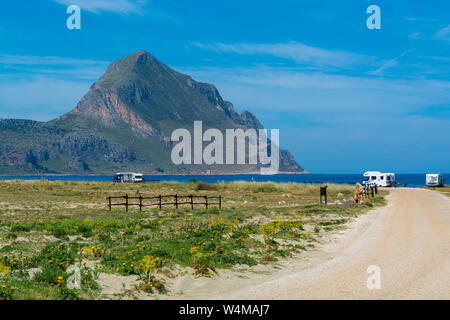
47, 228
445, 190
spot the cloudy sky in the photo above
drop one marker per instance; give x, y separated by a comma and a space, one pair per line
344, 97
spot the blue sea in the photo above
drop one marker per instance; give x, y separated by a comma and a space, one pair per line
411, 180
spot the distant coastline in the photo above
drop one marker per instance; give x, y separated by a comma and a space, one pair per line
156, 174
411, 180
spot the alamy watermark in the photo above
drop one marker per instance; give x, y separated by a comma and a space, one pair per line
240, 147
374, 21
374, 280
74, 281
74, 20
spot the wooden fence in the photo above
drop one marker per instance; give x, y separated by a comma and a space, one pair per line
371, 190
165, 200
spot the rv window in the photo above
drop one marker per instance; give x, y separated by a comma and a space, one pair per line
382, 177
373, 178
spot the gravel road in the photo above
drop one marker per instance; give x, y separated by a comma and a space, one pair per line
408, 240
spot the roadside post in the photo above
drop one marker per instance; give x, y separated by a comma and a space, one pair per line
323, 193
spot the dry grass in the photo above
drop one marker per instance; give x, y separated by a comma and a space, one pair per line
445, 190
259, 223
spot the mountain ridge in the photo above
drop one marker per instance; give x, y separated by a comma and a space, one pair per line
124, 122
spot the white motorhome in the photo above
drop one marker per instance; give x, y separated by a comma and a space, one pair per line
379, 179
128, 177
435, 180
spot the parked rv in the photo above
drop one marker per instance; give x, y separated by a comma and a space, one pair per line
379, 179
434, 180
130, 177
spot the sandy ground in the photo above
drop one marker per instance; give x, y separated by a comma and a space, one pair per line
409, 240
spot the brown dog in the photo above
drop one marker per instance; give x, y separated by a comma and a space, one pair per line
359, 193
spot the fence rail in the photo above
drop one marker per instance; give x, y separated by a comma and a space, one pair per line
178, 200
370, 190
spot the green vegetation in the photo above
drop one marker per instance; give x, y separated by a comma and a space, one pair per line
46, 228
445, 190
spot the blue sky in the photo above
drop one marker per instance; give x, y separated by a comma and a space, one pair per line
344, 97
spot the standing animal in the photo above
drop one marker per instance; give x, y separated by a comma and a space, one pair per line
359, 193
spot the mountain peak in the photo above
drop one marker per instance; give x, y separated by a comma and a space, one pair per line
142, 57
140, 52
131, 68
143, 92
126, 121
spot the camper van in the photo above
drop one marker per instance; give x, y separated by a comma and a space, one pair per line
435, 180
379, 179
128, 177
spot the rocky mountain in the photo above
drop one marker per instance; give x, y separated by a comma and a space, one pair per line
124, 122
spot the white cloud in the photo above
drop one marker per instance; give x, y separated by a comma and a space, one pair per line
414, 35
294, 51
444, 33
391, 63
39, 98
321, 114
58, 66
46, 60
44, 87
98, 6
331, 96
426, 19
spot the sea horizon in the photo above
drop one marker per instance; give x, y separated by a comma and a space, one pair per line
402, 179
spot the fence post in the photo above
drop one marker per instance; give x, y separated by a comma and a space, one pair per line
206, 202
372, 190
176, 201
220, 202
192, 201
160, 204
126, 201
323, 193
140, 203
109, 198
